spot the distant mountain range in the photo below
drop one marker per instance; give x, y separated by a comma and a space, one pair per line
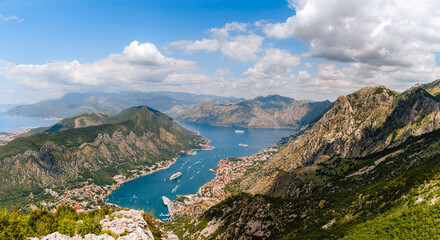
271, 111
73, 104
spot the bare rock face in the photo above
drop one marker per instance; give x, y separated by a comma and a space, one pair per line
56, 236
130, 221
94, 237
59, 236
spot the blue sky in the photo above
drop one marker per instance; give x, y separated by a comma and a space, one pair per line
89, 30
302, 49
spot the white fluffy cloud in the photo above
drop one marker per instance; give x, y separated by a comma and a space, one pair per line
197, 83
382, 42
329, 72
232, 41
137, 65
242, 47
381, 33
271, 74
275, 64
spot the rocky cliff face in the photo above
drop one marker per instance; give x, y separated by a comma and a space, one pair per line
136, 137
262, 112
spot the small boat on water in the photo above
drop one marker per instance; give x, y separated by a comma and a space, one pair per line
243, 145
175, 175
239, 131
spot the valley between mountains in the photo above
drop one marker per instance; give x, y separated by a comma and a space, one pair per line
364, 167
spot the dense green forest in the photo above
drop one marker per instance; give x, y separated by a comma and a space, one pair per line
66, 220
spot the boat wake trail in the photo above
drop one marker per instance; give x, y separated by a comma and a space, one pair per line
175, 188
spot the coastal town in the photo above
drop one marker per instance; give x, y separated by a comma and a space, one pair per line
7, 137
92, 196
229, 170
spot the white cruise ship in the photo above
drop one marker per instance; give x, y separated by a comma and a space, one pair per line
175, 175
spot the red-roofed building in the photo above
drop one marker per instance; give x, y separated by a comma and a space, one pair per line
78, 207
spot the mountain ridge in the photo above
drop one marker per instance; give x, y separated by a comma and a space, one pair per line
272, 111
73, 104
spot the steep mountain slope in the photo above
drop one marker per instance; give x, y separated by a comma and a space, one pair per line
73, 104
272, 111
368, 160
397, 185
69, 152
367, 121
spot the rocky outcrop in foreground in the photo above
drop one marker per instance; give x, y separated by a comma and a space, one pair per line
128, 225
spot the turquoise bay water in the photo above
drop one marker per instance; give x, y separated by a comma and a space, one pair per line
146, 192
12, 124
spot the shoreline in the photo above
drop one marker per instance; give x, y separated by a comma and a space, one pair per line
93, 189
214, 191
205, 147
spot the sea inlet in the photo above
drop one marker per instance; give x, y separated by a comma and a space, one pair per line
146, 192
